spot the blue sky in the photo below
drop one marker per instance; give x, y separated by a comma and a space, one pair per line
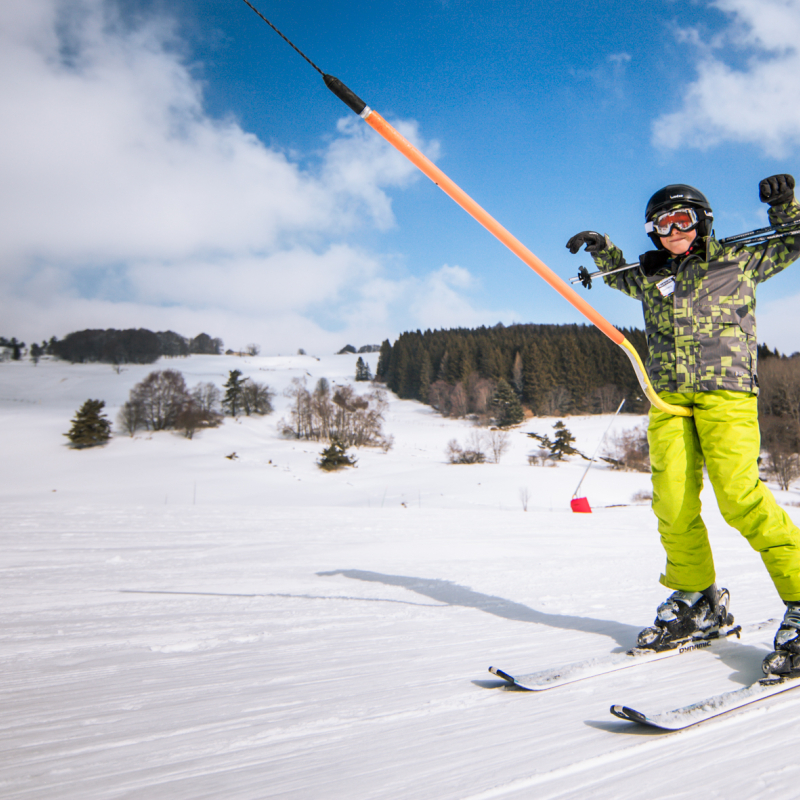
176, 165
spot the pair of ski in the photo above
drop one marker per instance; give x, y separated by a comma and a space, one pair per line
678, 718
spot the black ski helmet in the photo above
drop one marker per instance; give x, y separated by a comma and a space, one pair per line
679, 195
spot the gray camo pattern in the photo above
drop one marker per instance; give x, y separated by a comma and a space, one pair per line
702, 337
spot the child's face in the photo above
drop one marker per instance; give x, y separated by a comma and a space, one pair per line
678, 242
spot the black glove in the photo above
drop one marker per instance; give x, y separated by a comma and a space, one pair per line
777, 190
652, 261
595, 242
586, 279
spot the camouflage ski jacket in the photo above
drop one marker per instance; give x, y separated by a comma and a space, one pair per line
699, 309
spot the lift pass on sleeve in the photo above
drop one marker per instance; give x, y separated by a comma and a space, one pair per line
667, 286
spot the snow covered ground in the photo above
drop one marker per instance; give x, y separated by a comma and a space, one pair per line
177, 624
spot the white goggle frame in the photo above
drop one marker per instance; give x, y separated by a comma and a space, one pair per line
664, 230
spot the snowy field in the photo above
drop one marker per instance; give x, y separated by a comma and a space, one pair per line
180, 625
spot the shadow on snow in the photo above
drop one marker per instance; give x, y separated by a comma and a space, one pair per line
451, 594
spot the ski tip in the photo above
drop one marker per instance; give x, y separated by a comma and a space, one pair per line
500, 674
619, 711
629, 714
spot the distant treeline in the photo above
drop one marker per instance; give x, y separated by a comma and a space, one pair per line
554, 369
139, 346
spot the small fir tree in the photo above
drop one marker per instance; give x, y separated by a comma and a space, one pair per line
363, 372
335, 457
90, 427
506, 406
234, 391
16, 349
562, 446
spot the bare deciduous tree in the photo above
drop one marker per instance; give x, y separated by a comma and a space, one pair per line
498, 442
160, 398
162, 402
207, 396
540, 458
458, 401
557, 402
779, 382
479, 392
780, 438
605, 399
783, 466
190, 419
630, 450
471, 453
130, 417
256, 398
355, 420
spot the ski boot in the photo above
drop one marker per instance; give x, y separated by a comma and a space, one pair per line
785, 658
688, 616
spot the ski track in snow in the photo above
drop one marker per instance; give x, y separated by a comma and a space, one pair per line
179, 625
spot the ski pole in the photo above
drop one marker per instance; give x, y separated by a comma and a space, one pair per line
582, 277
776, 234
751, 237
449, 187
773, 231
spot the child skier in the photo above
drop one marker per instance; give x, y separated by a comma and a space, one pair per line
698, 298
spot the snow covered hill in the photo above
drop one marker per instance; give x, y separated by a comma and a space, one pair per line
178, 624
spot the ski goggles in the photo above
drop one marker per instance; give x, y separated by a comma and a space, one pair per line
684, 219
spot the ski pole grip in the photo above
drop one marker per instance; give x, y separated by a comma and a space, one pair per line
347, 96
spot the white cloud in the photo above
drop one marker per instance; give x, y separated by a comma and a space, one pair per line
439, 301
125, 205
297, 278
754, 104
110, 155
608, 76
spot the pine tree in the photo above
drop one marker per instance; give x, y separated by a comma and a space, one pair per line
90, 426
398, 373
562, 446
363, 372
425, 374
335, 457
16, 349
234, 390
383, 360
506, 406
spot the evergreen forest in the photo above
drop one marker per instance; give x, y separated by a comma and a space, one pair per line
554, 369
131, 346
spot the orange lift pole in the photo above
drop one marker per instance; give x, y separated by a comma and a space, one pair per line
449, 187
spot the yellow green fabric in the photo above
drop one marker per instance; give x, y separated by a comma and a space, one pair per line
699, 308
724, 433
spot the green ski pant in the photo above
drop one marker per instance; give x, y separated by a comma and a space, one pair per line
724, 433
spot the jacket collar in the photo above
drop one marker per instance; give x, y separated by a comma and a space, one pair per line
705, 249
